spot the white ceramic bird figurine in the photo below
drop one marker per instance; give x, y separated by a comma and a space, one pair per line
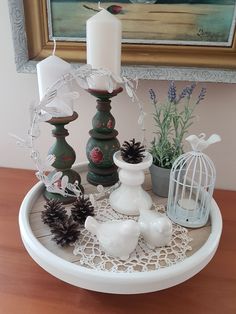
199, 143
118, 238
156, 228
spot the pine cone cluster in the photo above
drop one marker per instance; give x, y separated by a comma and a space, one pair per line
64, 228
132, 152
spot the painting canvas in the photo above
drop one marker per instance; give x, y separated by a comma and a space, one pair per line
181, 22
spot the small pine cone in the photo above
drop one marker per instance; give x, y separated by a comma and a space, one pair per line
132, 152
66, 232
82, 208
54, 212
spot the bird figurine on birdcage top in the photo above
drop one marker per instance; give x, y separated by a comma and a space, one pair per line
192, 181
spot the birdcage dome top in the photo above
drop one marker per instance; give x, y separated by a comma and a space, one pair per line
194, 169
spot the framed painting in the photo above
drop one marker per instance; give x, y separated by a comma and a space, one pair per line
169, 35
175, 22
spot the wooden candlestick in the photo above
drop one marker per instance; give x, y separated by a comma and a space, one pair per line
65, 156
103, 142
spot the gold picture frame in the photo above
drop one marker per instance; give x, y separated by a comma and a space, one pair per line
40, 46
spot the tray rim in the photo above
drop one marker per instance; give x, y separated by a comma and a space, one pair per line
111, 282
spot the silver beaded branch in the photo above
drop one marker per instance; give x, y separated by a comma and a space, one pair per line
41, 112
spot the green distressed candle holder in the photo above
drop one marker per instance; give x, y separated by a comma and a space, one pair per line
103, 143
65, 157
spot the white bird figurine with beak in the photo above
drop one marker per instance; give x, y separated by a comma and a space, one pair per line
199, 143
118, 238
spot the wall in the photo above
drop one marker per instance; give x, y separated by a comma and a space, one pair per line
215, 115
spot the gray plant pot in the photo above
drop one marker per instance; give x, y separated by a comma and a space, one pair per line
160, 180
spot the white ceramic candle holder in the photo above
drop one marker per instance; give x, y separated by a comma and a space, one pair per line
130, 196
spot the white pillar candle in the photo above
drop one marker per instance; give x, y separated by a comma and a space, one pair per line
49, 71
103, 33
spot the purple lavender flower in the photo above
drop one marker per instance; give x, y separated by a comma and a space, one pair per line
153, 96
187, 91
172, 92
184, 93
191, 89
202, 95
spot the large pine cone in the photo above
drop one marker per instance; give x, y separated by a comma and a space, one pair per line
54, 212
82, 208
132, 152
65, 233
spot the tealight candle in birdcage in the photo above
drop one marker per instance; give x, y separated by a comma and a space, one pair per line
192, 181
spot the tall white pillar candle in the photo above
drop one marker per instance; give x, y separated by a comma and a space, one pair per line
49, 71
103, 32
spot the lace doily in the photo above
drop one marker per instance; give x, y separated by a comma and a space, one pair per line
142, 259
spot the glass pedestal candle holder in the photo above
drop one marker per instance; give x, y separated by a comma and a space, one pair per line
65, 157
103, 143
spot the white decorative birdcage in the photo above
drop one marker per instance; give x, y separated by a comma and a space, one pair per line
192, 181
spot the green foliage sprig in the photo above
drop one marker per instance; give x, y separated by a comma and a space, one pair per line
172, 121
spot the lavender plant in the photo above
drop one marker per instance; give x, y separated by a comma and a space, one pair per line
172, 121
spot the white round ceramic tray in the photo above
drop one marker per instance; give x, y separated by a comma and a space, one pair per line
110, 282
